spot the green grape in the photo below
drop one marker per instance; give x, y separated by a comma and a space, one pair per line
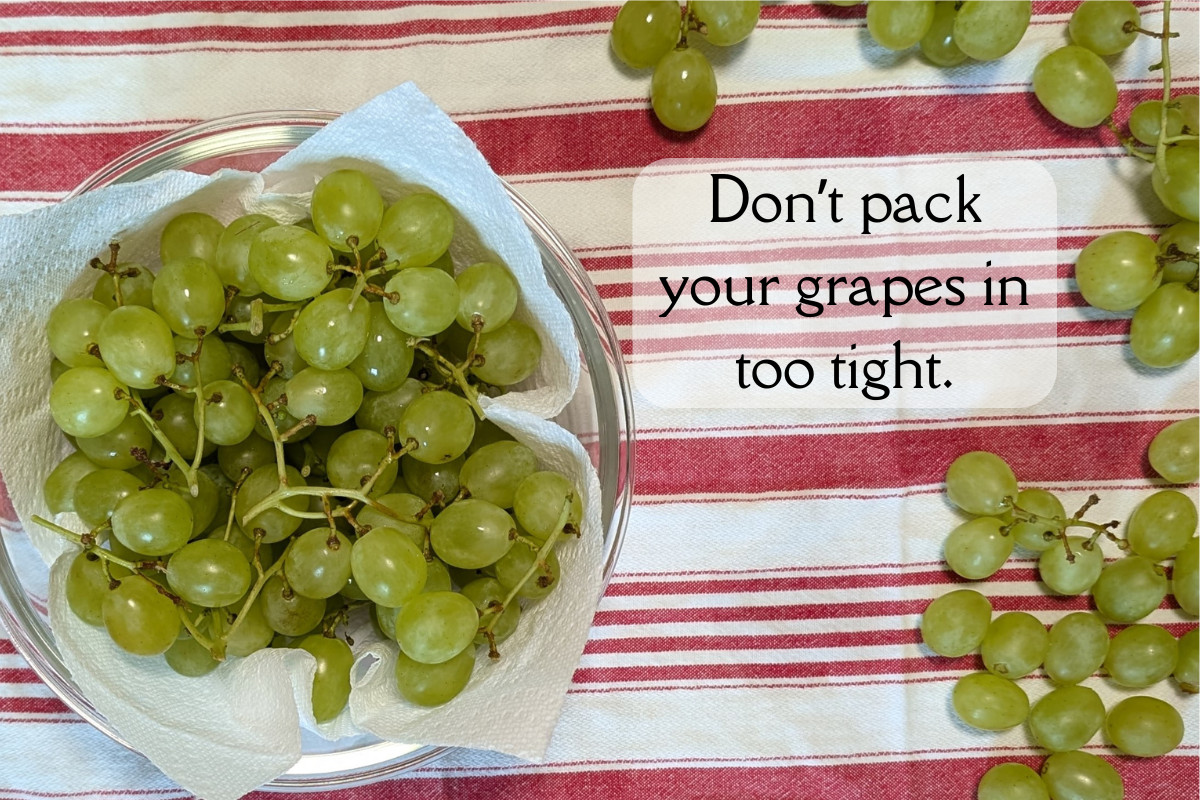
976, 549
188, 294
1162, 525
153, 521
351, 591
386, 358
331, 681
139, 619
405, 505
990, 703
1189, 107
1187, 668
1144, 726
434, 684
355, 456
250, 453
514, 565
137, 346
98, 493
280, 348
1077, 647
1105, 27
938, 44
289, 262
445, 263
1076, 775
252, 635
726, 23
1117, 271
1073, 84
955, 623
318, 563
1175, 451
190, 235
1184, 579
509, 354
59, 488
423, 301
488, 290
380, 409
683, 90
287, 612
209, 573
177, 420
189, 658
239, 310
385, 620
346, 205
222, 490
243, 543
229, 413
538, 503
988, 29
73, 327
388, 567
899, 24
1067, 718
1179, 242
83, 402
1015, 645
232, 259
204, 505
494, 472
1178, 190
276, 525
332, 396
215, 361
1066, 577
1012, 782
442, 425
1129, 589
57, 368
1033, 535
979, 482
415, 231
331, 331
87, 586
437, 577
112, 449
486, 594
240, 356
1145, 121
1165, 331
487, 432
424, 479
137, 286
434, 627
644, 32
471, 534
1141, 655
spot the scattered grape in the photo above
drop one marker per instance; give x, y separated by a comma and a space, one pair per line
1144, 726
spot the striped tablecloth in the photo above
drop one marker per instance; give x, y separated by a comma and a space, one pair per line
758, 639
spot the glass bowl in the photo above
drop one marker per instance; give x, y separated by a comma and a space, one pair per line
600, 414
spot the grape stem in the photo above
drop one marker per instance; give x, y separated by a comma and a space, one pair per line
218, 648
200, 405
1160, 151
452, 370
88, 542
277, 498
1128, 142
194, 629
264, 412
237, 487
139, 410
1058, 525
111, 269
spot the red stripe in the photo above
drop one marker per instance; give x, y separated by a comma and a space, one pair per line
799, 583
159, 7
803, 669
33, 705
782, 641
18, 675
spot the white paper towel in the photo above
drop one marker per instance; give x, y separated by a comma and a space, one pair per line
228, 732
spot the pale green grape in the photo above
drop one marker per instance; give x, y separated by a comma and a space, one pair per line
209, 573
976, 549
177, 420
112, 449
57, 368
955, 623
1076, 775
1118, 270
1141, 655
83, 402
87, 586
240, 356
318, 563
1189, 107
229, 413
1165, 331
140, 619
437, 577
990, 703
204, 504
1129, 589
416, 230
899, 24
189, 296
243, 543
98, 493
345, 205
726, 23
1033, 535
424, 480
1144, 726
1187, 668
59, 488
1100, 25
488, 290
275, 524
153, 521
509, 354
434, 627
1012, 782
405, 505
385, 619
442, 425
331, 681
1067, 718
386, 358
351, 590
1162, 524
287, 612
426, 301
1073, 84
1184, 580
1066, 577
471, 534
683, 90
189, 658
215, 361
1178, 190
388, 567
494, 472
515, 565
232, 260
289, 262
487, 432
1015, 645
434, 684
380, 409
938, 44
355, 456
979, 482
1077, 646
644, 32
250, 453
331, 332
988, 29
1179, 240
137, 346
1145, 121
73, 327
486, 594
280, 348
190, 235
332, 396
137, 286
1175, 451
252, 634
538, 503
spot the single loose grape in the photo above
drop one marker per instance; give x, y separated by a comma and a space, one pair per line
1077, 647
386, 358
1118, 270
1165, 330
232, 260
1144, 726
209, 573
1012, 782
683, 90
1037, 536
899, 24
332, 331
988, 29
331, 681
1175, 451
1015, 645
72, 329
488, 290
1067, 718
644, 32
422, 301
426, 480
276, 525
98, 494
441, 424
332, 396
494, 472
139, 619
416, 230
1178, 190
1076, 775
388, 567
346, 205
435, 627
726, 23
153, 521
1145, 121
229, 413
84, 402
189, 296
189, 658
989, 702
287, 612
938, 43
114, 449
59, 488
1129, 589
1187, 668
289, 262
1064, 576
434, 684
1074, 85
87, 586
1105, 27
1184, 581
471, 534
1161, 526
955, 623
137, 286
979, 482
1141, 655
318, 563
976, 549
190, 235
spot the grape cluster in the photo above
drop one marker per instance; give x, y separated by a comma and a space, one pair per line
654, 33
283, 425
1124, 591
948, 32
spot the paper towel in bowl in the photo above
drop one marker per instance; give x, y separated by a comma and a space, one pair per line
246, 716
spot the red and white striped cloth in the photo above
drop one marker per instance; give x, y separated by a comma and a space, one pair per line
759, 638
